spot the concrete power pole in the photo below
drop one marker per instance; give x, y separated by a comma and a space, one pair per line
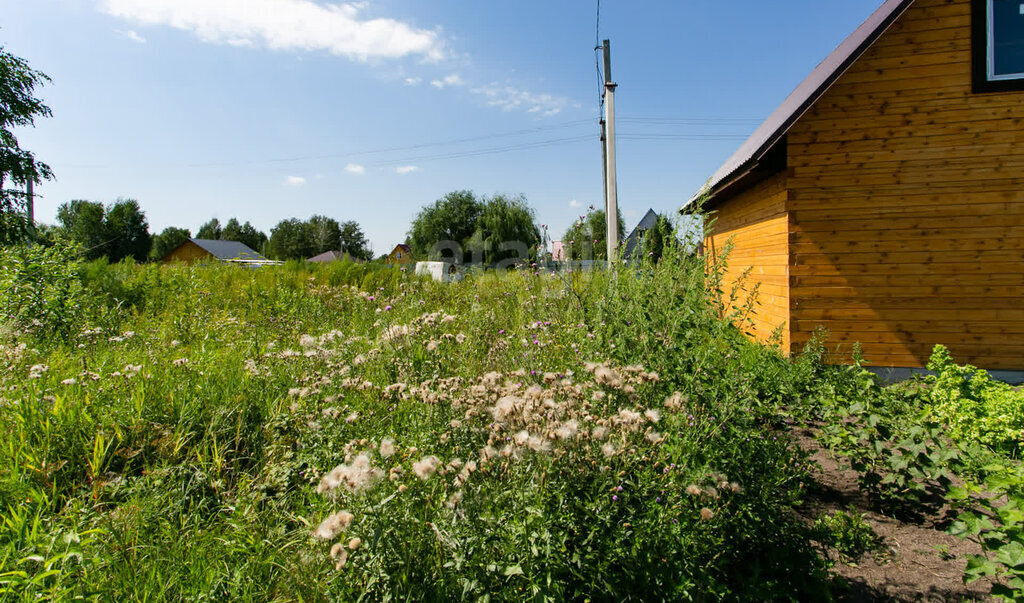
30, 200
611, 208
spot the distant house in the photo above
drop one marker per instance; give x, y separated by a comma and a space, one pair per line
557, 251
199, 250
332, 256
884, 199
631, 246
401, 254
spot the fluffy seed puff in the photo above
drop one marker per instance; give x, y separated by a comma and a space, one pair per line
426, 466
340, 556
358, 476
333, 525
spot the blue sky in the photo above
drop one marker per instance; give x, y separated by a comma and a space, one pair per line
270, 109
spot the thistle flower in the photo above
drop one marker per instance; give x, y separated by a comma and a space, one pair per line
387, 448
652, 415
706, 514
333, 525
455, 499
505, 407
693, 490
307, 341
426, 467
354, 543
567, 430
608, 449
600, 433
341, 561
653, 437
69, 381
337, 550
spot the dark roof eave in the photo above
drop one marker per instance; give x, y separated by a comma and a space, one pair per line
774, 129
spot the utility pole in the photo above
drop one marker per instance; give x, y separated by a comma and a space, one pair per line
611, 208
30, 200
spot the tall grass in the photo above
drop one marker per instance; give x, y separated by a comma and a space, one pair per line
171, 440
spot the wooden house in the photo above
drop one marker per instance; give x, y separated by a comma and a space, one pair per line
199, 250
401, 254
631, 244
884, 200
333, 256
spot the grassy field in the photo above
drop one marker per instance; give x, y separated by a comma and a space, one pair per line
351, 432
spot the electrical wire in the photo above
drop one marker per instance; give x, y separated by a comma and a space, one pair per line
486, 151
568, 124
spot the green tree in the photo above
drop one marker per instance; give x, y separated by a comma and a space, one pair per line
324, 234
656, 238
290, 240
83, 222
587, 238
18, 167
168, 240
505, 231
117, 231
211, 230
243, 233
127, 231
451, 219
353, 241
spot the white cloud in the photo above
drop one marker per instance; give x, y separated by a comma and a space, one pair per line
285, 25
412, 81
510, 98
450, 80
355, 168
407, 169
575, 203
131, 35
294, 180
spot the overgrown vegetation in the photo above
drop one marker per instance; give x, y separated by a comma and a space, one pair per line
350, 431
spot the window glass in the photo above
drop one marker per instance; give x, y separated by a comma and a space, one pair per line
1005, 39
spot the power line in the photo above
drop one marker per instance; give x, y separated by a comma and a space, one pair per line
568, 124
486, 151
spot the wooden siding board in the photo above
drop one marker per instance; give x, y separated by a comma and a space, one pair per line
755, 223
906, 202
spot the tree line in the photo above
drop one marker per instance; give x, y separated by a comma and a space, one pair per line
120, 230
460, 226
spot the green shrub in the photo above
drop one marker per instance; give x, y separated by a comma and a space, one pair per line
40, 292
848, 532
994, 518
974, 407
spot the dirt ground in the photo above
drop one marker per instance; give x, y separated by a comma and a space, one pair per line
917, 561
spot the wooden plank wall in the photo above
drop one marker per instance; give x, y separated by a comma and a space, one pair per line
756, 223
906, 202
188, 252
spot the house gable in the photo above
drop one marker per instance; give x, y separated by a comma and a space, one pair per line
903, 206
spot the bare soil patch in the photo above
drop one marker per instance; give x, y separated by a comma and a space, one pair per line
917, 560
